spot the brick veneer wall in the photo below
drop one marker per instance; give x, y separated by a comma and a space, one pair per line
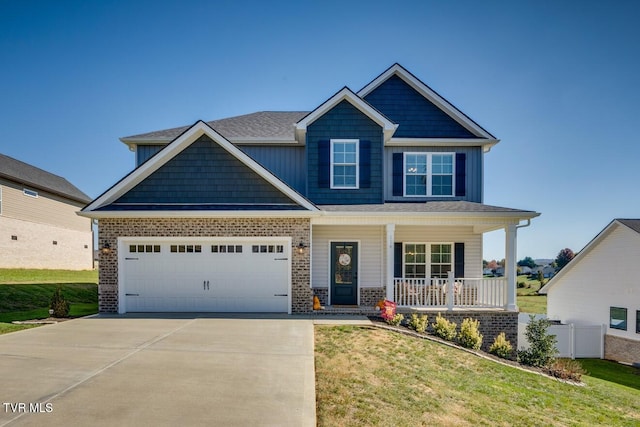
296, 228
621, 349
368, 296
492, 323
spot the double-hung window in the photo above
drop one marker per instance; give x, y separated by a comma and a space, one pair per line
422, 260
428, 174
344, 163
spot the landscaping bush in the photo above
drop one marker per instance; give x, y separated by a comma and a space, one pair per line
542, 346
565, 369
418, 323
444, 328
521, 284
469, 336
501, 347
395, 320
59, 304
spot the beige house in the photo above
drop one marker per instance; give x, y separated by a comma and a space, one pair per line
39, 227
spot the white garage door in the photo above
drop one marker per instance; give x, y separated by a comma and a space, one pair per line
195, 275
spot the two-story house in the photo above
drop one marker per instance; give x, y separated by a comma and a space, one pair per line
374, 194
39, 227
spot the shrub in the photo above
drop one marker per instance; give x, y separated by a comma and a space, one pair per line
542, 346
418, 323
395, 320
521, 284
444, 328
59, 304
469, 336
565, 369
501, 347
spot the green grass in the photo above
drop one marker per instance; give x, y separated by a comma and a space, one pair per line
528, 299
607, 370
371, 377
18, 275
26, 294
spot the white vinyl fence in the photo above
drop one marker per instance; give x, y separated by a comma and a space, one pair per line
573, 341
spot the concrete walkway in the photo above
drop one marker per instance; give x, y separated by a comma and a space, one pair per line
164, 370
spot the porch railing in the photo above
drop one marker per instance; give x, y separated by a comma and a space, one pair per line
450, 293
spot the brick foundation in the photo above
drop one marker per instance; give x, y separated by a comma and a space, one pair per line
621, 349
492, 323
296, 228
370, 296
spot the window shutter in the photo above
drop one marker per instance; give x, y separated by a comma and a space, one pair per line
397, 260
459, 260
461, 170
365, 164
324, 164
398, 166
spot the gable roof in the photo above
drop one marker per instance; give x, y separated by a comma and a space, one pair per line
188, 137
346, 94
33, 177
262, 126
430, 94
632, 224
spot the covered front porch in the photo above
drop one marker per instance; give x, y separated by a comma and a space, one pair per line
420, 260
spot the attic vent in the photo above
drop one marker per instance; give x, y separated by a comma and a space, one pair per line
29, 193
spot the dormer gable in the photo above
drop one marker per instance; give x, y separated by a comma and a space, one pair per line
422, 115
345, 94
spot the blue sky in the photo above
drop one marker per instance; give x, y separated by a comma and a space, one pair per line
556, 81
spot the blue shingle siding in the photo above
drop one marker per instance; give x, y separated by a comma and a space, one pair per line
417, 116
145, 152
205, 174
471, 178
287, 163
344, 121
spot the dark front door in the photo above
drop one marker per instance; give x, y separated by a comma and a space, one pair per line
344, 273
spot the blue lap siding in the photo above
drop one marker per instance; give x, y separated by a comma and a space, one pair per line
205, 174
344, 121
417, 116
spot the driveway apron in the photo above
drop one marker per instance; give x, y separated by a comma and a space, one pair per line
112, 370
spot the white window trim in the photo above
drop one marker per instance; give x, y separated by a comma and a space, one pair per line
30, 193
429, 174
428, 256
357, 143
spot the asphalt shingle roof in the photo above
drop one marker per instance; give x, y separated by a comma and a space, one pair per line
633, 224
425, 207
277, 125
31, 176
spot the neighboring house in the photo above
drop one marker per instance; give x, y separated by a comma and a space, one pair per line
374, 194
584, 292
39, 227
547, 271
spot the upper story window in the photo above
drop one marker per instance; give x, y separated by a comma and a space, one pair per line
428, 174
344, 163
29, 193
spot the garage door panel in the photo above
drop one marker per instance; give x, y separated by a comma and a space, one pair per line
221, 276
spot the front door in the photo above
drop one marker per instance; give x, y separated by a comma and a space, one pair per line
344, 273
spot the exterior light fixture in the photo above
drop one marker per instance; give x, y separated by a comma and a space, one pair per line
301, 247
106, 247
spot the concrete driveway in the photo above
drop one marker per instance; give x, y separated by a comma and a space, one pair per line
189, 370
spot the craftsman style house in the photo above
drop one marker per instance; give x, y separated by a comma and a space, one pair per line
373, 194
39, 227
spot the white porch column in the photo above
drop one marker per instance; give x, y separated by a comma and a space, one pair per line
391, 228
510, 271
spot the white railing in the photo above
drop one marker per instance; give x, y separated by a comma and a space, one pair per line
450, 293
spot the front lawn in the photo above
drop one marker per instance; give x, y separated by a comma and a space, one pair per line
527, 296
371, 377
